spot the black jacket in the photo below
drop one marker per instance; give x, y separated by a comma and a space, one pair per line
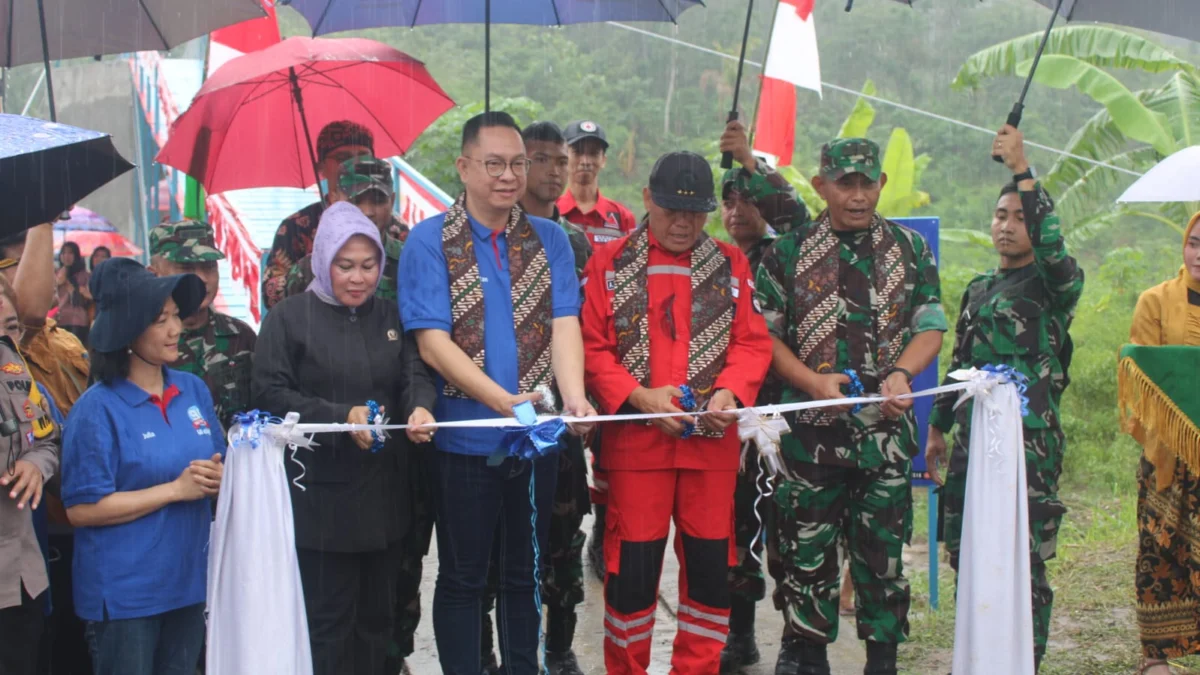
320, 360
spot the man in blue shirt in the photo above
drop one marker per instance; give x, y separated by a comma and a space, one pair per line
492, 297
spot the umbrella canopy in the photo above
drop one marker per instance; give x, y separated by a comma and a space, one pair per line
332, 16
255, 120
1180, 18
1173, 180
77, 28
46, 167
84, 220
89, 241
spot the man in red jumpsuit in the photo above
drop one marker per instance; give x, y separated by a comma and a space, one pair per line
666, 307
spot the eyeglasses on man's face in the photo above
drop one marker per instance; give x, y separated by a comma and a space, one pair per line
495, 167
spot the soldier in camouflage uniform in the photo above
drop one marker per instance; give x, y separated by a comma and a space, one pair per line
367, 182
213, 346
851, 291
562, 583
1017, 315
756, 204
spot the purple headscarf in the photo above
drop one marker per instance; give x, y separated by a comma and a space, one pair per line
339, 223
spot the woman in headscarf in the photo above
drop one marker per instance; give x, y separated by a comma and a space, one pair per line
336, 353
30, 458
1159, 401
141, 460
74, 298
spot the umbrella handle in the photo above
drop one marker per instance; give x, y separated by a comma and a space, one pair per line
1014, 120
727, 157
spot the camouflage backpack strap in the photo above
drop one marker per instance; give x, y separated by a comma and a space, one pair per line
815, 285
713, 292
466, 289
890, 270
629, 305
533, 311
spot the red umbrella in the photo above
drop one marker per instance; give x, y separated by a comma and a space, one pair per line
255, 120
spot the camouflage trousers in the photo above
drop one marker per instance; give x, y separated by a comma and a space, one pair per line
827, 510
1043, 465
750, 521
562, 565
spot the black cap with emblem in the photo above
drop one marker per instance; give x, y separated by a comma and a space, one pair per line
683, 181
583, 130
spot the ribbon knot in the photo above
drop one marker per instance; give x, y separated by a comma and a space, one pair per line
532, 440
988, 376
765, 431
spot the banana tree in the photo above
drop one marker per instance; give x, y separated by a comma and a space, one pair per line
1132, 130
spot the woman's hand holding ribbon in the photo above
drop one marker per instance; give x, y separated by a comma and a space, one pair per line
719, 421
653, 401
360, 414
580, 407
416, 434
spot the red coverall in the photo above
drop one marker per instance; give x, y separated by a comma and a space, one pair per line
653, 476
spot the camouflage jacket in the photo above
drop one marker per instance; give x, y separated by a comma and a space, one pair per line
221, 352
865, 439
293, 241
580, 246
1021, 318
300, 276
774, 197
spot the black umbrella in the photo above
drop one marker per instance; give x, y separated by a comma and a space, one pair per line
1172, 17
46, 167
79, 28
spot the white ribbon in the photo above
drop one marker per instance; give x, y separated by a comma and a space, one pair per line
763, 431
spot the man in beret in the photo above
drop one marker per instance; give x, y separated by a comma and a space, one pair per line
213, 346
337, 143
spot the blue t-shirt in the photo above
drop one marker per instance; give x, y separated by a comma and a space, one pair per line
117, 440
424, 283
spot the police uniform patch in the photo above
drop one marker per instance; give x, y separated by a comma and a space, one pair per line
27, 408
13, 368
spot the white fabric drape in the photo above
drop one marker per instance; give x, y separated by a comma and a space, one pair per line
256, 618
993, 631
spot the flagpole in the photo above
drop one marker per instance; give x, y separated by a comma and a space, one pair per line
758, 96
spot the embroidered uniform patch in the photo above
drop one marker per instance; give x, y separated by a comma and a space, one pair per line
12, 368
198, 421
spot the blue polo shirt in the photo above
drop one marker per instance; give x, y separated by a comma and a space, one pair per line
424, 282
118, 439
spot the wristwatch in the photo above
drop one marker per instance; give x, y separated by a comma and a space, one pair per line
1029, 174
896, 369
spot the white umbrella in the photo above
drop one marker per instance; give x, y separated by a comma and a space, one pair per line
1175, 179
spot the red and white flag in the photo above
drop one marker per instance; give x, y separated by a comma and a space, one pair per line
243, 38
792, 61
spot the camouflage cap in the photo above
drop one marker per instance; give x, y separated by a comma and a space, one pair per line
187, 241
735, 180
845, 156
362, 174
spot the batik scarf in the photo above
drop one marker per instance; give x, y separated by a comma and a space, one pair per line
817, 284
713, 292
532, 309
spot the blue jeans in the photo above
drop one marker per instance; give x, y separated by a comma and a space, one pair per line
163, 644
474, 504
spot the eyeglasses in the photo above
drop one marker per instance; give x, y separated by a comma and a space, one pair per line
496, 167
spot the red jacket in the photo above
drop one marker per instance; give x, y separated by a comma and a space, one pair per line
608, 221
633, 446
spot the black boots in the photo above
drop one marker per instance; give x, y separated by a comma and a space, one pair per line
595, 549
798, 656
560, 634
741, 649
881, 658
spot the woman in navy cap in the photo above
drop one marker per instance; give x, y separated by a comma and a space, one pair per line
141, 460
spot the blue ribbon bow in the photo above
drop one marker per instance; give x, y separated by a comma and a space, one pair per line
251, 423
1014, 377
687, 403
532, 441
375, 418
856, 389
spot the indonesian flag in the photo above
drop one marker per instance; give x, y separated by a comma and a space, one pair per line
242, 38
792, 61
